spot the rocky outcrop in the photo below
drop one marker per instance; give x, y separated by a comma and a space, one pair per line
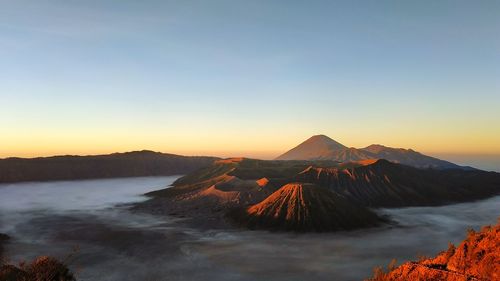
476, 258
306, 207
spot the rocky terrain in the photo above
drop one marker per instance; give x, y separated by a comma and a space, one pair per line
476, 258
129, 164
206, 196
321, 147
311, 195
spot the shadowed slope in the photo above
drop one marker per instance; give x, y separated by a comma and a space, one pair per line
347, 155
409, 157
386, 184
306, 207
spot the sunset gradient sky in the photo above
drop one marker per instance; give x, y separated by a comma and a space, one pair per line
251, 78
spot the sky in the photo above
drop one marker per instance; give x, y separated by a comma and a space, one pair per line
248, 78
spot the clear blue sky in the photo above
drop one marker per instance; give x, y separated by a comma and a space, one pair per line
248, 77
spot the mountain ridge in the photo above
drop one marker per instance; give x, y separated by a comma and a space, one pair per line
123, 164
387, 184
316, 148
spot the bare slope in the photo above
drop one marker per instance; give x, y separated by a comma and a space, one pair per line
312, 149
307, 207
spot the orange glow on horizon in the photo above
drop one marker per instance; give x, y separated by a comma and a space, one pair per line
235, 145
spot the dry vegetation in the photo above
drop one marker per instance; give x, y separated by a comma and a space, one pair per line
476, 258
43, 268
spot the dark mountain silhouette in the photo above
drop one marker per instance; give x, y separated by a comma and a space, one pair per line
476, 258
306, 207
128, 164
387, 184
324, 148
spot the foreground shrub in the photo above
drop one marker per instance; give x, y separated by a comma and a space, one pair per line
476, 258
43, 268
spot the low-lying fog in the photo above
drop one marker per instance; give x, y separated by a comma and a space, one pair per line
113, 244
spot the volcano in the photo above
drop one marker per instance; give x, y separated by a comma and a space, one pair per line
321, 147
307, 207
313, 148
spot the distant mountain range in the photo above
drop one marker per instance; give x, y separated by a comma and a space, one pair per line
128, 164
321, 147
150, 163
